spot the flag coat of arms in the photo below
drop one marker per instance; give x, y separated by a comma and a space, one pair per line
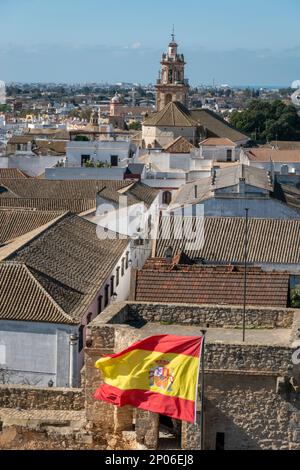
158, 374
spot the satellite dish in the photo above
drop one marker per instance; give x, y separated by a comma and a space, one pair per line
296, 98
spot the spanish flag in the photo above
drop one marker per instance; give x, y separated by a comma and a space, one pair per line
159, 374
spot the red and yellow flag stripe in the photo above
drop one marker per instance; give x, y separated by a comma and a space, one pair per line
158, 374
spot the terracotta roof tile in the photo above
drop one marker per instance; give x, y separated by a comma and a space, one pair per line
14, 223
175, 114
222, 239
69, 263
71, 195
211, 285
179, 145
266, 155
6, 173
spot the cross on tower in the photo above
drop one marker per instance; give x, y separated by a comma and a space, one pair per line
173, 34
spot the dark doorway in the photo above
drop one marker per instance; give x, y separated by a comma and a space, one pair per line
229, 155
169, 436
220, 441
85, 159
114, 160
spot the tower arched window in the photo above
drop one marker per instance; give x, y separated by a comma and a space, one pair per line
168, 98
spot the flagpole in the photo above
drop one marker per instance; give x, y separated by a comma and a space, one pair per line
202, 388
245, 272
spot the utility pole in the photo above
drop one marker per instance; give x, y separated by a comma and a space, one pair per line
245, 273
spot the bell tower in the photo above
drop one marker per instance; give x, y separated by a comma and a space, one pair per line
171, 84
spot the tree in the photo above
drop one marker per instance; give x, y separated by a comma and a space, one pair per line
5, 108
136, 125
268, 120
81, 138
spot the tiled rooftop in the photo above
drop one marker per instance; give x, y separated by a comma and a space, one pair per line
221, 285
222, 239
54, 276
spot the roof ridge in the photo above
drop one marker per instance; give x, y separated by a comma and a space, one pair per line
27, 268
51, 278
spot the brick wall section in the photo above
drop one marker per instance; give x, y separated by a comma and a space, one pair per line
30, 398
216, 316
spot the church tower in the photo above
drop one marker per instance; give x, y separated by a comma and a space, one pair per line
171, 84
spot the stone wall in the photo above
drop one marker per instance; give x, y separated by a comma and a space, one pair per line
39, 438
27, 397
235, 357
214, 315
251, 412
243, 399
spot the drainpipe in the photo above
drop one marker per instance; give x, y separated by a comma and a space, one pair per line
73, 360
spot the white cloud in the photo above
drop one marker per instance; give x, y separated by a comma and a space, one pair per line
136, 45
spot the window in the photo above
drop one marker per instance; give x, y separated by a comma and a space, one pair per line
99, 309
118, 277
80, 343
112, 285
84, 159
220, 441
167, 197
123, 267
138, 242
229, 155
127, 259
89, 318
106, 298
114, 160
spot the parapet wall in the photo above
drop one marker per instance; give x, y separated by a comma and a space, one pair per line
216, 316
31, 398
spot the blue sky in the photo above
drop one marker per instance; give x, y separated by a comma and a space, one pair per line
229, 41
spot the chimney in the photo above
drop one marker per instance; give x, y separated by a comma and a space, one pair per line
196, 191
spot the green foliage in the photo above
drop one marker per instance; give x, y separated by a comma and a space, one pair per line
98, 164
81, 138
5, 108
295, 297
137, 126
268, 120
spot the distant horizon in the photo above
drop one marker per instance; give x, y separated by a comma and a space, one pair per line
102, 83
